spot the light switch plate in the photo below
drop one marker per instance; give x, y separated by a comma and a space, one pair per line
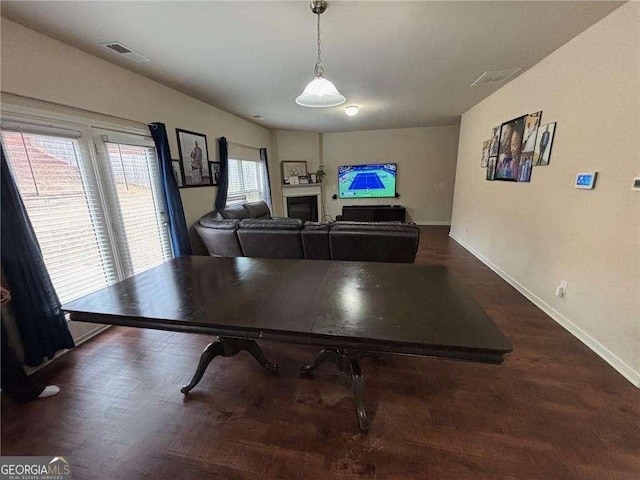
586, 180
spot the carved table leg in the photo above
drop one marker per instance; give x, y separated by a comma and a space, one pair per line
324, 356
348, 364
227, 347
357, 382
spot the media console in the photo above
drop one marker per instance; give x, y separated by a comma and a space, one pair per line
373, 213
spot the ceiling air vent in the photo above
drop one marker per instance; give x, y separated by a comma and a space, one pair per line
496, 77
125, 52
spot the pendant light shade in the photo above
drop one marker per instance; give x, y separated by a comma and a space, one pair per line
320, 92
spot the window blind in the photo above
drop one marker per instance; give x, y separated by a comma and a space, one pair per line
139, 223
62, 199
247, 176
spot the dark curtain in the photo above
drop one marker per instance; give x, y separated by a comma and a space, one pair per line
175, 212
265, 163
223, 181
41, 323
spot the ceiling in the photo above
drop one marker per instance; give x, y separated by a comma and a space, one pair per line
406, 64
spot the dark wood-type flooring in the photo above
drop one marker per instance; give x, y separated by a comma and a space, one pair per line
553, 410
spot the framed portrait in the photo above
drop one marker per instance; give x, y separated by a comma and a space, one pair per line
531, 124
486, 145
544, 142
194, 158
178, 172
491, 168
214, 169
510, 149
524, 170
293, 169
495, 141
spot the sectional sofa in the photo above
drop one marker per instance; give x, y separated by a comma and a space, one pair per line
249, 230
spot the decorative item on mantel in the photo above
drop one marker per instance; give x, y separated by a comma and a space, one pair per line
292, 169
320, 174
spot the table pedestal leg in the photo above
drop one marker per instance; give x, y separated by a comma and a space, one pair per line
227, 347
348, 364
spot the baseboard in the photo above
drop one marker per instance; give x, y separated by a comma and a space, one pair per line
78, 341
607, 355
429, 222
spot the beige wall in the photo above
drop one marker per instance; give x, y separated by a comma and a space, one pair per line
294, 145
37, 66
537, 233
426, 159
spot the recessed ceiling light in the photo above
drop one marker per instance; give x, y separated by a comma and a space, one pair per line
258, 117
351, 110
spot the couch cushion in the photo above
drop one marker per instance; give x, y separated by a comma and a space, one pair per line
374, 242
234, 211
271, 238
315, 241
258, 210
210, 222
220, 237
318, 226
271, 224
375, 227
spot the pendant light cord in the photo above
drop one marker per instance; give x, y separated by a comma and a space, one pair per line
318, 69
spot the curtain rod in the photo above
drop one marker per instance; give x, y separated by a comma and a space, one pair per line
242, 145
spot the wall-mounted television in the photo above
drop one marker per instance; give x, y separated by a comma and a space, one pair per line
367, 181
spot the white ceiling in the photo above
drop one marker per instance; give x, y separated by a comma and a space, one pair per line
406, 64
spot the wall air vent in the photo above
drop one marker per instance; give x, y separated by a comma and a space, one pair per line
125, 52
497, 77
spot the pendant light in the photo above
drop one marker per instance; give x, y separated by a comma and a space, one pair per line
320, 92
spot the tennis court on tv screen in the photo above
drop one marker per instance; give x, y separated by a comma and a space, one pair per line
367, 181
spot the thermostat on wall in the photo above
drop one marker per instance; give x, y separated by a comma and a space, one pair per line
586, 180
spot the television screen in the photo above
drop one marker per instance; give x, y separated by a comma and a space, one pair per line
367, 181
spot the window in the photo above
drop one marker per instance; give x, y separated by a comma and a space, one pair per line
95, 226
134, 196
248, 180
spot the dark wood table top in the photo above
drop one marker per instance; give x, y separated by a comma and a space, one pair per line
377, 307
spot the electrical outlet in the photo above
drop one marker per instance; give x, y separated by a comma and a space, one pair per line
564, 284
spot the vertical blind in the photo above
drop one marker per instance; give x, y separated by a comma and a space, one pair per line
247, 176
96, 222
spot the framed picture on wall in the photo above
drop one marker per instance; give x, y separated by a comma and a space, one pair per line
293, 169
510, 149
485, 153
531, 124
544, 142
495, 141
178, 172
491, 168
194, 158
214, 168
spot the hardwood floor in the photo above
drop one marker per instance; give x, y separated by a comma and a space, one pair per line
553, 410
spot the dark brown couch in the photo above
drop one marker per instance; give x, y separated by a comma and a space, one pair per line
249, 231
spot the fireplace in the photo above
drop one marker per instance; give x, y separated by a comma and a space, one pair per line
303, 207
303, 201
